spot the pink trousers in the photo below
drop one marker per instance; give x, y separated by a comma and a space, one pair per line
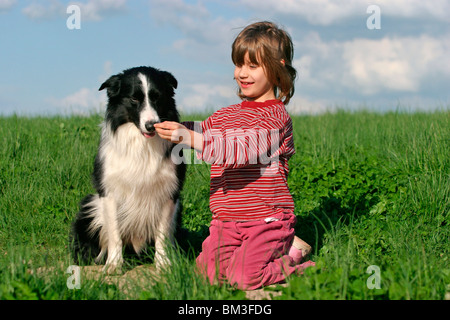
250, 254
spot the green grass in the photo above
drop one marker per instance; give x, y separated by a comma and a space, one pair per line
369, 189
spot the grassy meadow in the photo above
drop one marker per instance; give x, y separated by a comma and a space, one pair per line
372, 192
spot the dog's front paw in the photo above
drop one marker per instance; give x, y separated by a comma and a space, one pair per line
113, 264
112, 268
161, 261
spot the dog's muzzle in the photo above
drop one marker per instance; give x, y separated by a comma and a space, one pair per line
150, 127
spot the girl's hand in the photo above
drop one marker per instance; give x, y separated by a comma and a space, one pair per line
171, 131
177, 133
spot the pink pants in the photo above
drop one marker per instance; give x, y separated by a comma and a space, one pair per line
250, 254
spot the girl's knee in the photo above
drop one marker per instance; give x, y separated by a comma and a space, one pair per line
206, 268
243, 280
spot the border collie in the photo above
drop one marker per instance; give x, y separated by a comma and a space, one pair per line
137, 182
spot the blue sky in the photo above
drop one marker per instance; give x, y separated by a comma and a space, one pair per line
46, 68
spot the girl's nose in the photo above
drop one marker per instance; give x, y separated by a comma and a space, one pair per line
243, 72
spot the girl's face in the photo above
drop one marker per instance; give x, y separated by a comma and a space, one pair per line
253, 82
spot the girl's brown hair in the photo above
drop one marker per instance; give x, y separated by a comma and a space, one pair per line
270, 47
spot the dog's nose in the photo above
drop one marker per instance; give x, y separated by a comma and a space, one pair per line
150, 125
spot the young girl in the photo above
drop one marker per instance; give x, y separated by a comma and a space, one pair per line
251, 242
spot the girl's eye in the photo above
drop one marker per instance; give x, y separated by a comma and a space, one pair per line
253, 66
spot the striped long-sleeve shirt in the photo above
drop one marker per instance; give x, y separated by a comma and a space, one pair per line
248, 146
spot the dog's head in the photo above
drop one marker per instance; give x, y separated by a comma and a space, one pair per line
141, 95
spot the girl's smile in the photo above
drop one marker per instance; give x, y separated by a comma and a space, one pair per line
246, 84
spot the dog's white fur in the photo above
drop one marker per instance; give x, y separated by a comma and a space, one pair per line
148, 113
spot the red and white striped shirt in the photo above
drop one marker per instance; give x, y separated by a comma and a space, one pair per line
248, 146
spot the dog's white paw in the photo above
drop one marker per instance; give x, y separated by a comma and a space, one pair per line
112, 268
99, 258
113, 263
161, 261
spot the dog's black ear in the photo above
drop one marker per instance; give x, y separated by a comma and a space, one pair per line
170, 78
112, 85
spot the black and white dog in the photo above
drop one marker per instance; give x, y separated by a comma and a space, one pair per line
137, 181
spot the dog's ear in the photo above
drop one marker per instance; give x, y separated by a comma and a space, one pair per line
170, 78
112, 85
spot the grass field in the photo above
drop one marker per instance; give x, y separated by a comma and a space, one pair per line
372, 195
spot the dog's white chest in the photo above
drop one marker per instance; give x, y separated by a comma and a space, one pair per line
135, 167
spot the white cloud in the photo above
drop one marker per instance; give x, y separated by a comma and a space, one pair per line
94, 10
202, 95
372, 66
91, 10
39, 11
107, 72
328, 12
83, 101
205, 36
375, 65
306, 105
437, 9
6, 5
397, 64
174, 8
317, 12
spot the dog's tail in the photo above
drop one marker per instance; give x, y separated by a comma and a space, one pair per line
84, 240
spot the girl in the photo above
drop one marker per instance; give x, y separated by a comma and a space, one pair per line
251, 242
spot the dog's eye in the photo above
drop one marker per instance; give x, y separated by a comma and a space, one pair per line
134, 100
153, 95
